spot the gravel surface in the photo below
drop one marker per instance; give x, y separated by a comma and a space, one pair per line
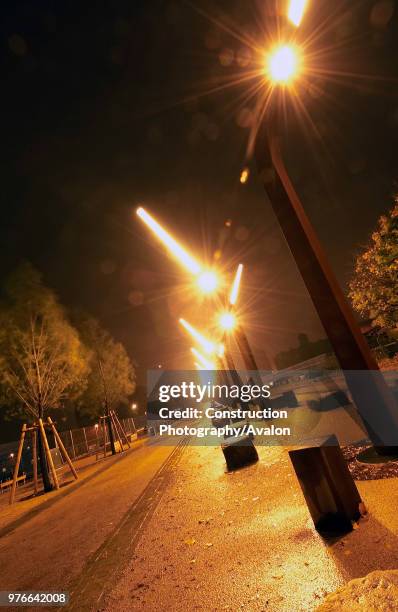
245, 540
376, 591
190, 536
361, 470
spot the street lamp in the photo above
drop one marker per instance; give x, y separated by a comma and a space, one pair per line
283, 64
208, 346
370, 393
233, 296
296, 11
227, 321
207, 280
215, 350
205, 363
233, 326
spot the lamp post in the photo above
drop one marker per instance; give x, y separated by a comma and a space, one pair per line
233, 327
369, 392
233, 373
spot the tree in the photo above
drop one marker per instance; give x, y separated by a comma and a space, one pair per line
112, 376
42, 359
374, 287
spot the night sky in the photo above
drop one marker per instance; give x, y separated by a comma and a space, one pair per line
112, 104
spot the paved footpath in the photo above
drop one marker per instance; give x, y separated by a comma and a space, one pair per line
219, 541
75, 539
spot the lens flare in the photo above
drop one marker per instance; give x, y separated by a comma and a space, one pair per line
227, 320
170, 243
208, 281
283, 64
206, 345
296, 11
207, 365
244, 175
233, 296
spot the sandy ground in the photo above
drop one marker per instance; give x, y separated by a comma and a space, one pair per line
245, 540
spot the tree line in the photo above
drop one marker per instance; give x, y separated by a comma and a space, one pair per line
374, 286
50, 357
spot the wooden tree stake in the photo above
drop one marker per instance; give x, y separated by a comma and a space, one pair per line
121, 428
17, 462
48, 453
34, 458
62, 447
103, 425
111, 416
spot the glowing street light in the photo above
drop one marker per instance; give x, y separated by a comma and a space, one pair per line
207, 280
227, 321
170, 243
207, 346
296, 11
207, 365
220, 351
233, 296
240, 335
283, 64
229, 324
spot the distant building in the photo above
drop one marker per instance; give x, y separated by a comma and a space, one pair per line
320, 353
303, 352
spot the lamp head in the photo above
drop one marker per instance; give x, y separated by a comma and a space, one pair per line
227, 321
207, 281
283, 64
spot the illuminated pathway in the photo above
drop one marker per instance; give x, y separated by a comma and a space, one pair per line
60, 541
245, 541
164, 528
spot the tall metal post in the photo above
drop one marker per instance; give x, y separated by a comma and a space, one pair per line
370, 393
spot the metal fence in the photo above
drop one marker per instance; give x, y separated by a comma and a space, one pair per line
79, 442
87, 440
